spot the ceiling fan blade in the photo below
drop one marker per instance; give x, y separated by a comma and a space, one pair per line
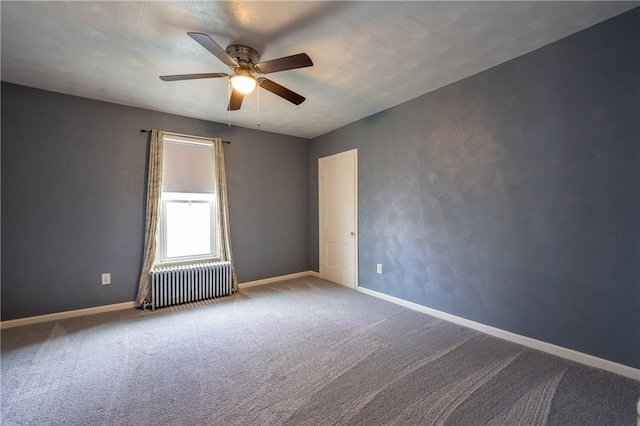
301, 60
213, 47
192, 76
281, 91
235, 102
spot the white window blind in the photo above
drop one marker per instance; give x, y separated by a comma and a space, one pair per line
188, 165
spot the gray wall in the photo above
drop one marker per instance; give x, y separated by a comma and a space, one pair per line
511, 198
73, 179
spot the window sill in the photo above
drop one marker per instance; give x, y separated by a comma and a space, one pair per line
189, 262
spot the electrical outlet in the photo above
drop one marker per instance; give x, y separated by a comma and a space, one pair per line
106, 278
379, 268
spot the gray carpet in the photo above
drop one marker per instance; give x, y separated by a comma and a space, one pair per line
297, 352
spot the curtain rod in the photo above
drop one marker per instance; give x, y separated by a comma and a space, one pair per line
149, 131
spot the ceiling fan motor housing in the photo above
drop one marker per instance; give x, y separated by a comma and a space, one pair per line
246, 56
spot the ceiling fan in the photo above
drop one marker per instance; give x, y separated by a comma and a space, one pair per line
243, 60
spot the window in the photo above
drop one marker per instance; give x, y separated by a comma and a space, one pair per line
188, 210
187, 225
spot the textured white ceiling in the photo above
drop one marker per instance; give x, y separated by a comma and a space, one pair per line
368, 56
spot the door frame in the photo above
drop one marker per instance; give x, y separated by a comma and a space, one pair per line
354, 153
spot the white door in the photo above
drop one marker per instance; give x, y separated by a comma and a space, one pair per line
338, 205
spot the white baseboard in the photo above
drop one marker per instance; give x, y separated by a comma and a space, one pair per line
67, 314
276, 279
550, 348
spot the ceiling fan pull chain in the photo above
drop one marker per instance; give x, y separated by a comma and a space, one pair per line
229, 97
258, 98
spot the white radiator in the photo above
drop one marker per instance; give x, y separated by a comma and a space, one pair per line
183, 284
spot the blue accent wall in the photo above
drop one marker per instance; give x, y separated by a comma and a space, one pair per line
512, 198
73, 191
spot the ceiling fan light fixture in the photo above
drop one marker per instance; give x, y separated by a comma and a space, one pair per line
243, 82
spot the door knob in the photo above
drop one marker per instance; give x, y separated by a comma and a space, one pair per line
353, 234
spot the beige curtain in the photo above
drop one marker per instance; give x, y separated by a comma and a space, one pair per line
224, 229
154, 194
